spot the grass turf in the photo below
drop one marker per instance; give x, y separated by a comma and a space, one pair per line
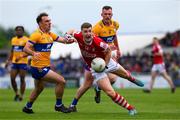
158, 105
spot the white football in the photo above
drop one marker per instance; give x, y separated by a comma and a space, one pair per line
98, 64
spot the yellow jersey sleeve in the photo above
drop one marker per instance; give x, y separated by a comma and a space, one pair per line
54, 36
35, 37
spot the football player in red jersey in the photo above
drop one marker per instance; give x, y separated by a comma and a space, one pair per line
158, 66
91, 47
107, 29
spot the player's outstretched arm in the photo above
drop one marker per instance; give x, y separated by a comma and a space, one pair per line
66, 39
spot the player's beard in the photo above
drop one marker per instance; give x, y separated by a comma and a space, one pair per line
88, 40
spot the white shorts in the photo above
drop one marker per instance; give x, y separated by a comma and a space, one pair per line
158, 68
112, 66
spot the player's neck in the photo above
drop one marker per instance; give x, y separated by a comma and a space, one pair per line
19, 36
43, 30
107, 23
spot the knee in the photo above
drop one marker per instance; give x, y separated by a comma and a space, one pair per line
61, 80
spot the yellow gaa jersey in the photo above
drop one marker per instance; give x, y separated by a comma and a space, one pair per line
42, 43
17, 49
107, 33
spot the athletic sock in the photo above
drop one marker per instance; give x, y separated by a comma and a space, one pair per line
120, 100
29, 105
74, 102
58, 102
130, 77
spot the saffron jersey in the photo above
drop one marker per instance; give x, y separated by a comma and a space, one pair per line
157, 59
42, 43
107, 33
95, 49
17, 49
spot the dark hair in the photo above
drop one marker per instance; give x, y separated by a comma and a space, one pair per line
39, 17
21, 27
107, 7
155, 38
86, 25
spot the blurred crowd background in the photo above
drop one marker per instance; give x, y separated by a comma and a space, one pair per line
137, 62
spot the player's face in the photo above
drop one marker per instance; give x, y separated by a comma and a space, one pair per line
45, 24
19, 32
87, 34
155, 41
107, 15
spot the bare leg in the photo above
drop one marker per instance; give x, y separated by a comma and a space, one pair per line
80, 92
13, 75
169, 80
121, 72
112, 78
153, 76
59, 80
52, 76
22, 74
39, 86
86, 85
116, 97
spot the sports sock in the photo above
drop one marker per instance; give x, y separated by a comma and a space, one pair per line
120, 100
130, 77
74, 102
29, 104
58, 102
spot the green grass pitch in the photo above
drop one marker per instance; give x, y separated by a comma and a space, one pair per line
158, 105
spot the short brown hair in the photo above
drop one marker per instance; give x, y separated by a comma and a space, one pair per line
39, 17
86, 25
107, 7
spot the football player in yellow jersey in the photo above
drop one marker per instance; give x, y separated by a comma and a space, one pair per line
39, 47
18, 67
107, 29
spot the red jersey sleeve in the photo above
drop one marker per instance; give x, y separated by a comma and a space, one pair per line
77, 35
101, 43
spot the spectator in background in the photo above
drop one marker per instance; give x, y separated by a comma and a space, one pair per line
158, 66
19, 66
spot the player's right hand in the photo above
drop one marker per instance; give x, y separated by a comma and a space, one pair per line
69, 38
37, 55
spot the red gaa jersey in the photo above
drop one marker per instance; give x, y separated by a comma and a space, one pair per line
95, 49
157, 59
